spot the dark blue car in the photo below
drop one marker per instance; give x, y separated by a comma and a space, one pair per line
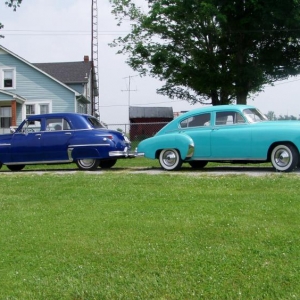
63, 138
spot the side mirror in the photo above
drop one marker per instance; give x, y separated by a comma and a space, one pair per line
12, 130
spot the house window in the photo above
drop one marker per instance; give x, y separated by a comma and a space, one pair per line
37, 108
44, 108
30, 110
8, 79
5, 117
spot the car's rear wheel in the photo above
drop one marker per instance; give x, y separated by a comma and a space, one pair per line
170, 159
198, 164
87, 164
284, 157
106, 164
16, 167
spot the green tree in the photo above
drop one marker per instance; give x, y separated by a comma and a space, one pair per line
271, 116
14, 4
212, 51
287, 117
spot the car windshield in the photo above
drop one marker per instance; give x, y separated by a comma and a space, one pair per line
253, 115
94, 122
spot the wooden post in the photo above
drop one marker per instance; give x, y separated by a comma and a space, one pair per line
13, 113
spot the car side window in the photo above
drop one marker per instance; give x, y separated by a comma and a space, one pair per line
229, 118
196, 121
31, 126
57, 124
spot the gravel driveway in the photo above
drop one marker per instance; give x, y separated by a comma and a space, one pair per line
216, 171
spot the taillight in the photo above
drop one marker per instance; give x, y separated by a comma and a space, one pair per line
108, 137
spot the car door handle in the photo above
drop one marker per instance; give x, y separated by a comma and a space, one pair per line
38, 134
68, 133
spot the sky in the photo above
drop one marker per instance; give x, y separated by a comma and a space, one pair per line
60, 31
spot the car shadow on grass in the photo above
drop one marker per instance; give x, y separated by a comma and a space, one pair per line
252, 170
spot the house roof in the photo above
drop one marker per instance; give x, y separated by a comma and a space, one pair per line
68, 72
38, 69
17, 97
150, 112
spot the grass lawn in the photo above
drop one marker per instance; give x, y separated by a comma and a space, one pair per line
121, 235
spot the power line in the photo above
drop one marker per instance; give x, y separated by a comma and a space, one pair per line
172, 101
138, 104
34, 30
57, 33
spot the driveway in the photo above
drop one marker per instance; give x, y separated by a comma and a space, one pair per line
215, 171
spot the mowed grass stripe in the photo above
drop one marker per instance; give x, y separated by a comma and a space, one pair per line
138, 236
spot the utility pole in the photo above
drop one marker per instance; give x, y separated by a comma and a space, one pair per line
129, 90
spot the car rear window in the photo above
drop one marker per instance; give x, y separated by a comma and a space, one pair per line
95, 122
195, 121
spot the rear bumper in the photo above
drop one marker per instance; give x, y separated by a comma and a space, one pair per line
122, 154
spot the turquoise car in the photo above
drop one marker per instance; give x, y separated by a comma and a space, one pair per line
225, 133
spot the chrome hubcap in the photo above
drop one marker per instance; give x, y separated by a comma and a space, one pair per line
86, 162
169, 158
282, 157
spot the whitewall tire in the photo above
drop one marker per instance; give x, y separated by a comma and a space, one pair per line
87, 164
170, 159
284, 158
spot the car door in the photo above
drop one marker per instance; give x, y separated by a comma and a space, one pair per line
55, 140
231, 136
26, 143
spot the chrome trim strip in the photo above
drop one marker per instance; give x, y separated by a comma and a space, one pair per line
38, 162
139, 154
89, 145
210, 158
5, 144
190, 151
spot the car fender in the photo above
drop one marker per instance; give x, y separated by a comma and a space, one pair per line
83, 152
181, 142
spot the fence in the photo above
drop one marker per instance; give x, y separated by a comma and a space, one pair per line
138, 131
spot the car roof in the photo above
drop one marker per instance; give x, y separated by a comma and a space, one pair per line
214, 108
56, 115
200, 110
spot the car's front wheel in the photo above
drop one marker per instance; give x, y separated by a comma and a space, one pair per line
284, 158
106, 164
16, 167
198, 164
170, 159
88, 164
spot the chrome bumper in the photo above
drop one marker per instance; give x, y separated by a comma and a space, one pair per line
125, 154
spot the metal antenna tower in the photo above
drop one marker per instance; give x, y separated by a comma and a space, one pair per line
94, 57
